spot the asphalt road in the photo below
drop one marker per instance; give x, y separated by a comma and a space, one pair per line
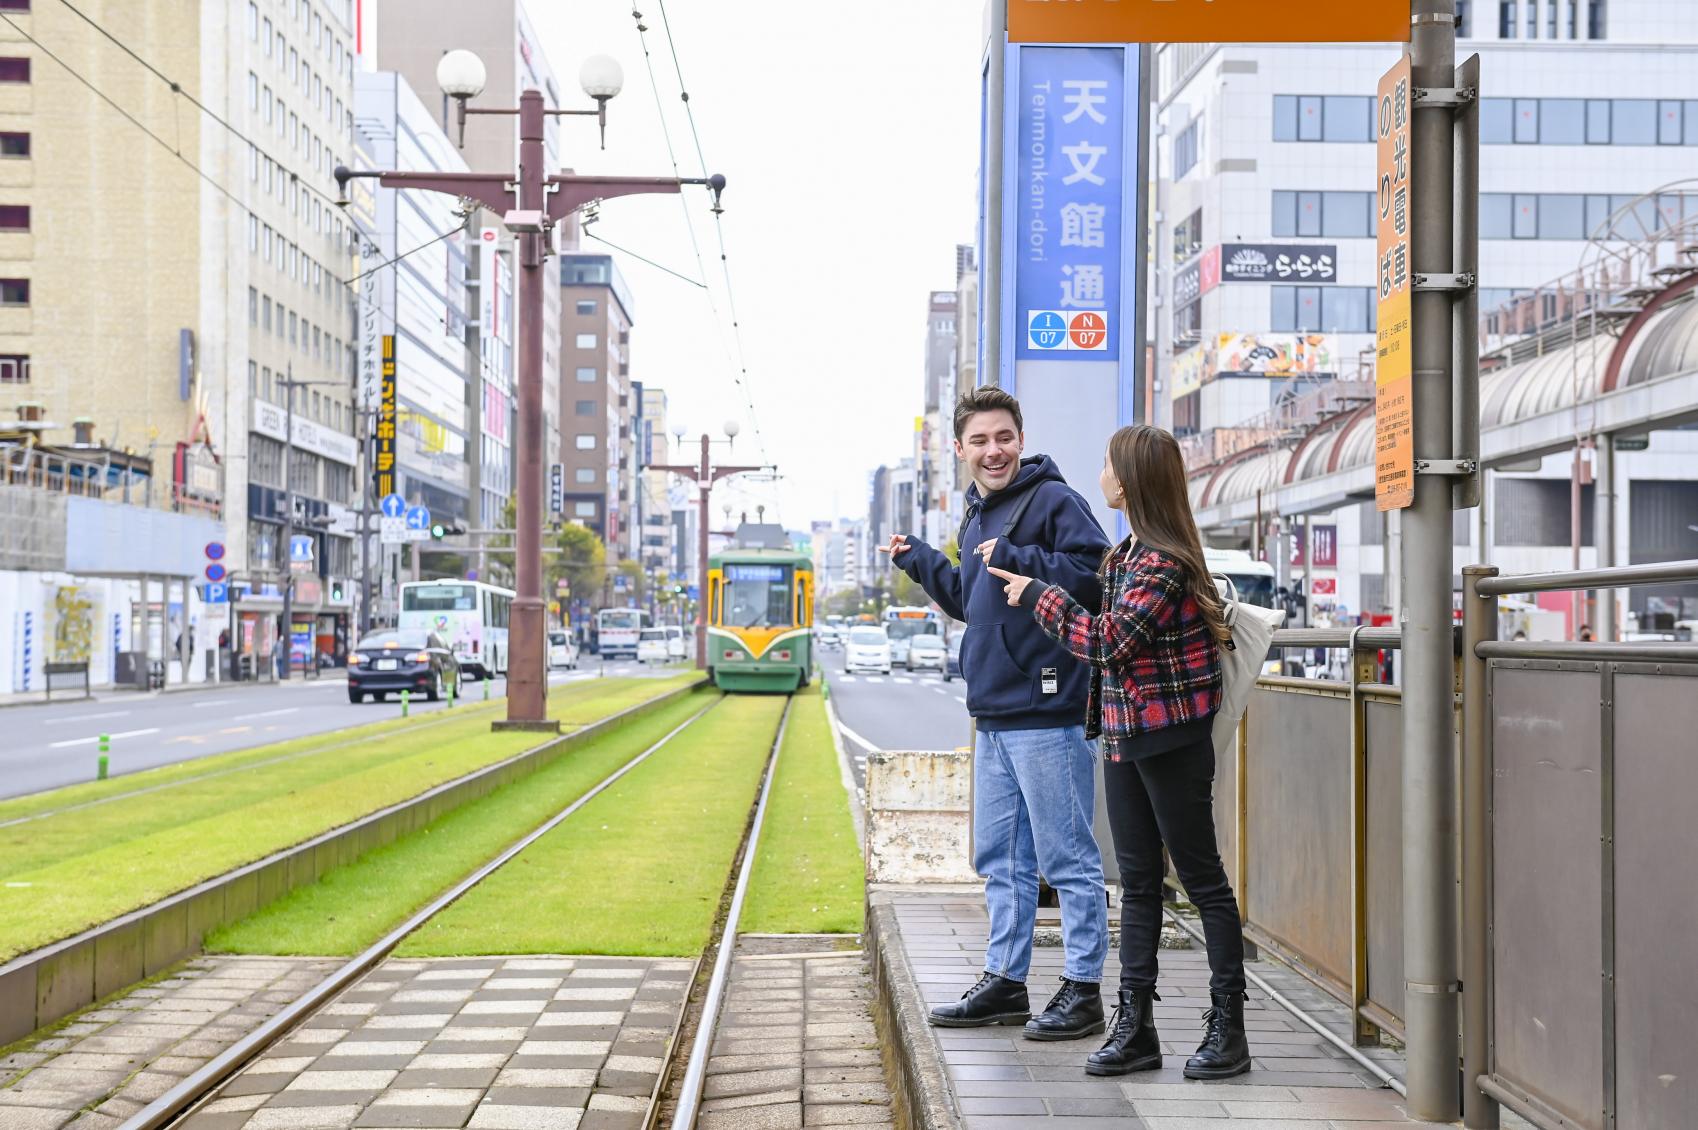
896, 711
54, 744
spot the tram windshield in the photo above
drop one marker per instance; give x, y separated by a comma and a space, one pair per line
757, 596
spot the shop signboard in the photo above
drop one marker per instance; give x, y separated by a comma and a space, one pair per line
1280, 263
1394, 393
1276, 355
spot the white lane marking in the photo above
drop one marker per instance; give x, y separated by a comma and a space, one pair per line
214, 702
902, 679
962, 699
875, 678
846, 679
939, 690
86, 717
114, 737
266, 714
856, 738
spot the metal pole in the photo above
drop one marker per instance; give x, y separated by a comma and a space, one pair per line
526, 690
288, 520
1576, 599
1429, 865
990, 269
1603, 529
1479, 623
706, 483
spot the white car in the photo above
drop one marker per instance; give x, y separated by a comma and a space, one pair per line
675, 646
868, 649
562, 649
927, 652
651, 646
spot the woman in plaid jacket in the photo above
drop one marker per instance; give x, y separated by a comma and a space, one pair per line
1153, 647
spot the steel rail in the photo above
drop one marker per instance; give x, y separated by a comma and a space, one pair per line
205, 1081
1620, 576
1385, 1077
695, 1072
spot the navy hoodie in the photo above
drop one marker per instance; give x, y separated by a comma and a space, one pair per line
1003, 658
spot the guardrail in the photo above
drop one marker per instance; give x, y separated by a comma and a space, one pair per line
1578, 844
1576, 773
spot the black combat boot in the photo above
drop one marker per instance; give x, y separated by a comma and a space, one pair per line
1073, 1013
994, 1000
1132, 1041
1224, 1051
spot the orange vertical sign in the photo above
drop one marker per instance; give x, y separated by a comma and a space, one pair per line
1394, 393
1207, 21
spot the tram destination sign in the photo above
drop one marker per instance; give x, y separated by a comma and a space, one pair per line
1207, 21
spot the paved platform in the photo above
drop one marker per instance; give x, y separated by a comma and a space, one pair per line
111, 1061
514, 1043
996, 1080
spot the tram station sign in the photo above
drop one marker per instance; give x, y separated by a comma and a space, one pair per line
1207, 21
1394, 389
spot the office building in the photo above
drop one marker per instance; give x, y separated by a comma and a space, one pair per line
597, 401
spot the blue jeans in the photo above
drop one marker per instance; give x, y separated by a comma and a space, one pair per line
1034, 794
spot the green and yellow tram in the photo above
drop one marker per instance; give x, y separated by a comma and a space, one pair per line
760, 617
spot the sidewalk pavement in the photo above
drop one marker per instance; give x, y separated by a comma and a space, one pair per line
994, 1079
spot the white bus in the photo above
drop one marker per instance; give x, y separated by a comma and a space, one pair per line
1253, 579
903, 622
617, 631
470, 616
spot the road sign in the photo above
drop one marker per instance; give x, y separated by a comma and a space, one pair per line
1243, 21
215, 571
418, 523
300, 549
215, 592
392, 531
1047, 329
393, 506
215, 551
1394, 388
1087, 330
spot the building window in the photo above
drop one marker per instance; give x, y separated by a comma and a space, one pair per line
1314, 117
14, 368
584, 509
585, 442
586, 341
14, 145
1465, 18
585, 475
1186, 149
1506, 19
1526, 121
1596, 20
585, 407
253, 380
1668, 122
14, 69
14, 292
1188, 236
1322, 309
1562, 121
253, 307
1345, 215
14, 217
1633, 121
586, 306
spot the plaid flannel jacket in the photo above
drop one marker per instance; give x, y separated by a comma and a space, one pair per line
1149, 638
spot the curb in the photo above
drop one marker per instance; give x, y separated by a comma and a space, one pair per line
920, 1087
50, 983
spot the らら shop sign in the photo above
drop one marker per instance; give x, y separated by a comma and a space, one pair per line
1206, 21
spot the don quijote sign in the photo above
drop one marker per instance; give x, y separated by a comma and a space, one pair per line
1269, 262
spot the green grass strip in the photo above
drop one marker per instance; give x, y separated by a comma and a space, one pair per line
637, 871
65, 873
809, 876
354, 905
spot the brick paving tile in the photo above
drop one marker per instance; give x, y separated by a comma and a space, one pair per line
866, 1117
786, 1117
492, 1117
757, 1098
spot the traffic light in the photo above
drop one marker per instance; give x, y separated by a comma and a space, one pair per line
338, 592
440, 530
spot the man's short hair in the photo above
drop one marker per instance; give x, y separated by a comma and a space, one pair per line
986, 398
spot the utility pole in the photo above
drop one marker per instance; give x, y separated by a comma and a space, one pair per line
705, 474
288, 554
530, 202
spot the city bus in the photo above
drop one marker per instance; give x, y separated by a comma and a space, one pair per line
903, 623
617, 631
470, 617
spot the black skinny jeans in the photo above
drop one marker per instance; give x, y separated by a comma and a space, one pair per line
1168, 798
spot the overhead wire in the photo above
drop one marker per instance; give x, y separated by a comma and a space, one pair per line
176, 149
740, 370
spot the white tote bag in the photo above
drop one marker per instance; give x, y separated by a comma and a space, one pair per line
1241, 664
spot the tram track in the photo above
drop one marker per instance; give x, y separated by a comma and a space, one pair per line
676, 1098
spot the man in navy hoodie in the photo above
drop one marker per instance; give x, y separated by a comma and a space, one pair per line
1034, 772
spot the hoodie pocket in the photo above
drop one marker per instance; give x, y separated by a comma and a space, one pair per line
997, 685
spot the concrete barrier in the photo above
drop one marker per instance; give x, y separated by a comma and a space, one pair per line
919, 817
54, 981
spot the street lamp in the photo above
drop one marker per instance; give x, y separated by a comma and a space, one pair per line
530, 201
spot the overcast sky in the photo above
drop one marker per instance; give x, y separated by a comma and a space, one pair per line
849, 135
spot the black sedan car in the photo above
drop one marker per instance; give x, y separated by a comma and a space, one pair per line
402, 660
952, 659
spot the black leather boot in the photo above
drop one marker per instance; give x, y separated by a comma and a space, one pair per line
994, 1000
1132, 1041
1072, 1014
1224, 1051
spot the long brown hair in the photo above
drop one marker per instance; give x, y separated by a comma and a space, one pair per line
1151, 472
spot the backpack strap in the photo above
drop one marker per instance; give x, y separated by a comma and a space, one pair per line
1016, 512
